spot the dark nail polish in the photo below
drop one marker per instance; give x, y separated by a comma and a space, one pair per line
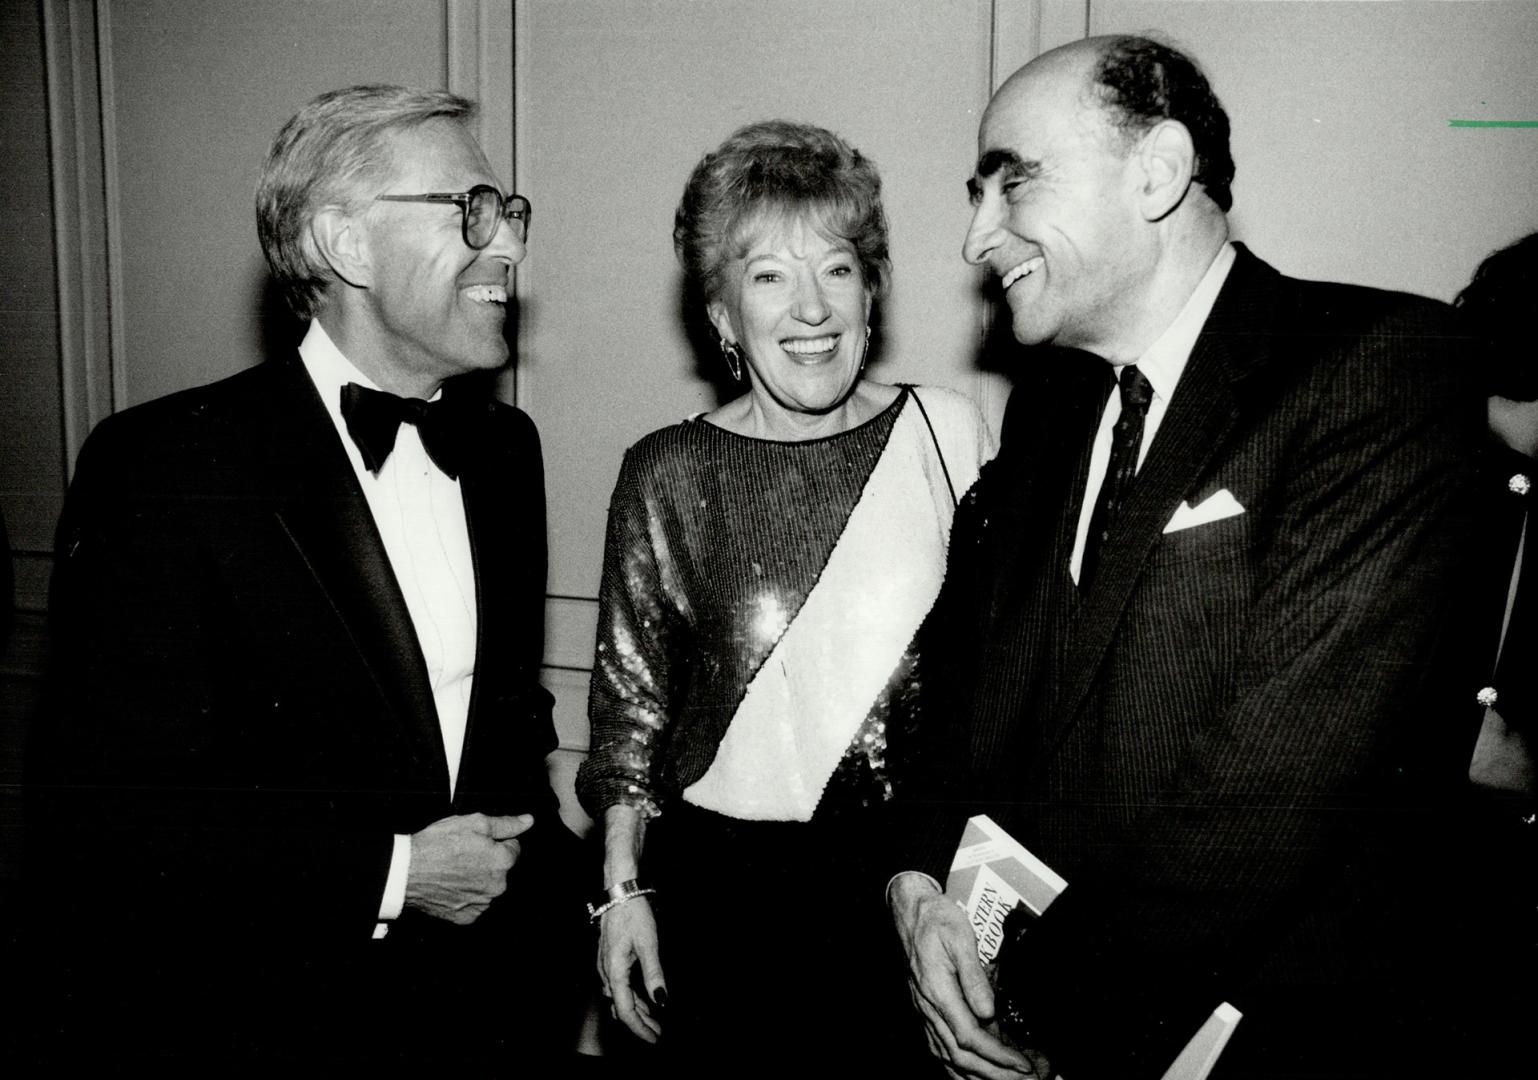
660, 996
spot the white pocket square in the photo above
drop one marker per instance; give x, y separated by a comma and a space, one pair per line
1214, 507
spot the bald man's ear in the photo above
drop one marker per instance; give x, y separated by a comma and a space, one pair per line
1166, 159
341, 241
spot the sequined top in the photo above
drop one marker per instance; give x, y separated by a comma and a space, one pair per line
714, 541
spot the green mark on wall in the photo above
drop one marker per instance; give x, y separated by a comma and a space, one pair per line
1493, 123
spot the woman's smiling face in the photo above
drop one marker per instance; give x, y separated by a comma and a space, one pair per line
797, 305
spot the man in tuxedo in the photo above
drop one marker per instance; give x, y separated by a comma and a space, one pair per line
1188, 614
291, 796
1495, 697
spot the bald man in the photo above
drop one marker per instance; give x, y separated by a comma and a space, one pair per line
1189, 613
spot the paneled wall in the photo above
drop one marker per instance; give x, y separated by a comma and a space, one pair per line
32, 452
31, 446
1349, 165
188, 146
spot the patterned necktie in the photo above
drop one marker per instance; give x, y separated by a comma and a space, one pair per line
374, 418
1126, 441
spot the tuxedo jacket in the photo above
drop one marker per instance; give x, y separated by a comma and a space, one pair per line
1218, 745
1502, 839
241, 715
1505, 496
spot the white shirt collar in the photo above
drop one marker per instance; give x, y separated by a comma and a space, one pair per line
329, 369
1164, 360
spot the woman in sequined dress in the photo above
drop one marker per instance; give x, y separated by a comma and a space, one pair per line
766, 568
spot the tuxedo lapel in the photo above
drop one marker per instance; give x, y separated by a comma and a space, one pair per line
483, 485
325, 515
1207, 403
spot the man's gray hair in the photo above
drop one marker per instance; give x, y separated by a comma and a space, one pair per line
324, 156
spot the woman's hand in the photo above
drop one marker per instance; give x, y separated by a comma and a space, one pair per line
627, 933
627, 937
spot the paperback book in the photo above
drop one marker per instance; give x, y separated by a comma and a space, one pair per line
994, 877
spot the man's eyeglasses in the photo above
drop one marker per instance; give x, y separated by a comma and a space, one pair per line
481, 209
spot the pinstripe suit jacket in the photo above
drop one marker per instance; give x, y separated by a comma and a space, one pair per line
1217, 746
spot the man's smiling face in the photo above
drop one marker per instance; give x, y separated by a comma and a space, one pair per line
1056, 218
437, 306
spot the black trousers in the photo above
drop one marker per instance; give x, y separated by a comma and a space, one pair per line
502, 996
780, 957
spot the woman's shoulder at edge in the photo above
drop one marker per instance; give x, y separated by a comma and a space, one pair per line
667, 451
958, 422
686, 432
943, 397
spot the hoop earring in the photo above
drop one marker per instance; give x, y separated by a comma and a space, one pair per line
733, 358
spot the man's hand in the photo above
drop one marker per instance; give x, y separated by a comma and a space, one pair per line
948, 984
459, 864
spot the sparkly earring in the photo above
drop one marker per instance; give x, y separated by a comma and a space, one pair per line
733, 358
864, 356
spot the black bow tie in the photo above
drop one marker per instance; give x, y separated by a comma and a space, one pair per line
374, 417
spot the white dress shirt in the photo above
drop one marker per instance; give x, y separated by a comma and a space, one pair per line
1162, 365
421, 520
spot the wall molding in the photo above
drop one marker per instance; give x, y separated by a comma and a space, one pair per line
111, 204
478, 63
83, 174
1017, 33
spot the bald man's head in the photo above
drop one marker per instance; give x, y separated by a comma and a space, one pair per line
1091, 204
1136, 82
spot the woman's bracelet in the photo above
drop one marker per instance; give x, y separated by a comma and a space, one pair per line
616, 895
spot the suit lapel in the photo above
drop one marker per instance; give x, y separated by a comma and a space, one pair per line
1207, 403
324, 513
1027, 493
1058, 430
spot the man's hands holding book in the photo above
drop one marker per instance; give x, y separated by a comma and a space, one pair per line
949, 984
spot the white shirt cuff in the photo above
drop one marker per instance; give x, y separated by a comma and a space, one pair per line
394, 898
905, 873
